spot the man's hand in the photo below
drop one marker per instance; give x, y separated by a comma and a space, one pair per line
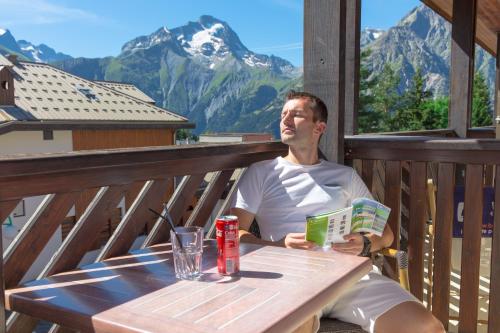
353, 246
297, 241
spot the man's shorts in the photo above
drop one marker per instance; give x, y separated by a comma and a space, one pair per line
368, 299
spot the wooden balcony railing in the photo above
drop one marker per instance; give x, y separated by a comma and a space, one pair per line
61, 179
404, 164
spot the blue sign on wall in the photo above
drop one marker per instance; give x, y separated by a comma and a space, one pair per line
458, 208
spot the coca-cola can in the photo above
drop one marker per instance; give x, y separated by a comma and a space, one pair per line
228, 245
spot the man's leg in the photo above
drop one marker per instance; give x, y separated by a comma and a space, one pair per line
408, 317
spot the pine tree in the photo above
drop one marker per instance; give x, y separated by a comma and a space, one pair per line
369, 119
481, 103
385, 92
410, 115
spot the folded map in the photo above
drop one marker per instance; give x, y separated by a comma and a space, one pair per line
365, 215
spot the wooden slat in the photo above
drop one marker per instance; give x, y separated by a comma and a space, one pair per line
60, 329
176, 206
367, 173
352, 61
392, 198
86, 230
324, 73
442, 243
209, 199
494, 307
20, 323
81, 238
416, 234
471, 248
6, 207
151, 196
462, 65
224, 209
378, 181
35, 235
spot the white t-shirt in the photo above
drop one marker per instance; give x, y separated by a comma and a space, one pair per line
281, 194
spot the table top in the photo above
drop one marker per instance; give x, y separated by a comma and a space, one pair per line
276, 290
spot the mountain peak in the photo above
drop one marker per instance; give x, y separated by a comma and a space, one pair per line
208, 41
208, 21
3, 31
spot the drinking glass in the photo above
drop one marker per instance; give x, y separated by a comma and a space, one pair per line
187, 248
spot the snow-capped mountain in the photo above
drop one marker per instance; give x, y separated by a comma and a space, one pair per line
210, 42
27, 50
201, 70
368, 35
41, 53
7, 42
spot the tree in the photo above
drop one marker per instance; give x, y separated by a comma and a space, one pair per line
183, 134
435, 113
369, 119
481, 103
385, 92
410, 114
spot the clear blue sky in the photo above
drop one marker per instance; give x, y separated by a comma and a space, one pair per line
98, 28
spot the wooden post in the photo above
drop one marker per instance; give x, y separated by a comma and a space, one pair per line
352, 60
324, 61
2, 289
497, 88
462, 65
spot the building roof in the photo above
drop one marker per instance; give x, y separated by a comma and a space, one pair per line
44, 92
127, 88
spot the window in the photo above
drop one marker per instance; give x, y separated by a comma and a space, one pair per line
19, 210
5, 85
87, 92
48, 135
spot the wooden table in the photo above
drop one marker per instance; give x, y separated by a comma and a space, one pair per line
276, 290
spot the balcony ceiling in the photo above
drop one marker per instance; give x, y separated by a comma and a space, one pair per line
487, 22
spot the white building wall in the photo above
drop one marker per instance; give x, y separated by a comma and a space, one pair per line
30, 142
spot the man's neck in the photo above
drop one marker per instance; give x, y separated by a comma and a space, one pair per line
304, 157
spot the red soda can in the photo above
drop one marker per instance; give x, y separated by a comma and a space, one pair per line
228, 245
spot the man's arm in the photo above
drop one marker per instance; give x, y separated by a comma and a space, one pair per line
245, 220
292, 240
354, 243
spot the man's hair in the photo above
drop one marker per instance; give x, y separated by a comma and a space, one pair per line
320, 112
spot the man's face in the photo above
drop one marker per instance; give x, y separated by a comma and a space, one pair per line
297, 126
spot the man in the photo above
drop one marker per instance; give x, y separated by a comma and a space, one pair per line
280, 193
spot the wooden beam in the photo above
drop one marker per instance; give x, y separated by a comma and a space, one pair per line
324, 61
471, 249
6, 207
462, 65
494, 306
392, 198
416, 234
35, 235
176, 206
150, 196
209, 198
442, 243
352, 63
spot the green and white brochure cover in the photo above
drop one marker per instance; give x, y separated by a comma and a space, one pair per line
365, 215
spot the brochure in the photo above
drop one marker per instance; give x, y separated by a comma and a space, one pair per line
365, 215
